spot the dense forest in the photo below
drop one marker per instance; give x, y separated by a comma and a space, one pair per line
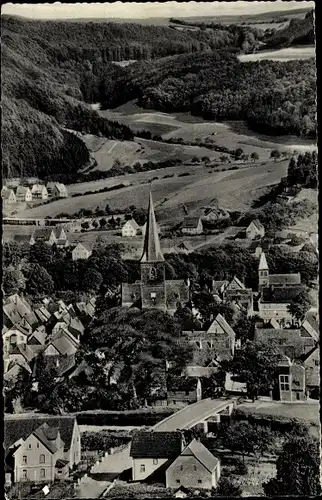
50, 70
273, 97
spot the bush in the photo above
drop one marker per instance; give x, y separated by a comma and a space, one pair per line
135, 417
240, 468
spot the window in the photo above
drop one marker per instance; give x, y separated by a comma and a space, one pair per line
42, 459
24, 459
178, 481
195, 467
181, 467
155, 461
199, 481
38, 445
296, 382
42, 473
153, 273
29, 446
285, 382
142, 468
316, 362
24, 474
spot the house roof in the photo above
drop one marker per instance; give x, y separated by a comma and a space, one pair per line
132, 223
308, 329
25, 351
191, 222
156, 445
16, 427
263, 266
85, 245
151, 247
257, 224
43, 233
60, 187
200, 371
202, 454
281, 295
220, 320
43, 314
238, 282
7, 193
38, 337
62, 242
22, 190
60, 463
308, 354
63, 345
285, 279
46, 435
21, 238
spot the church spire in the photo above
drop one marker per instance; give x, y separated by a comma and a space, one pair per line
151, 247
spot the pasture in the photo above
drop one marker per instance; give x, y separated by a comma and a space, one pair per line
287, 54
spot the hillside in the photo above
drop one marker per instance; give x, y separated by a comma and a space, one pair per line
297, 32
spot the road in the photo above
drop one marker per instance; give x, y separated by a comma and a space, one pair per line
90, 488
182, 419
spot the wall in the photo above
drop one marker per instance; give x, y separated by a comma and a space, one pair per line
188, 471
74, 453
33, 465
149, 467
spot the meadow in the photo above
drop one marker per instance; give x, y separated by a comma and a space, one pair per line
288, 54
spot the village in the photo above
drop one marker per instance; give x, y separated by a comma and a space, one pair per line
52, 335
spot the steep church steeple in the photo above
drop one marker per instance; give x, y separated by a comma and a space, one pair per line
153, 284
151, 247
263, 272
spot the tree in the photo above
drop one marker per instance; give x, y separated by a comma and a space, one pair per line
239, 153
39, 281
13, 281
224, 158
256, 364
226, 488
95, 224
107, 209
298, 469
103, 223
41, 253
85, 225
91, 280
254, 156
275, 154
300, 304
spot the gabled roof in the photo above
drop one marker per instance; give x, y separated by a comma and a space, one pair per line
257, 224
37, 337
305, 357
22, 190
285, 279
84, 245
46, 435
7, 193
191, 222
263, 266
132, 223
220, 320
43, 234
151, 247
238, 283
156, 445
63, 345
310, 330
16, 427
60, 463
24, 351
200, 371
202, 454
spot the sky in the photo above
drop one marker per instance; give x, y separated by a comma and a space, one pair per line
147, 9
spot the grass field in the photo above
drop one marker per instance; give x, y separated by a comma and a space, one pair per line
288, 54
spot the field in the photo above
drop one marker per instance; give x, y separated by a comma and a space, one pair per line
305, 52
235, 190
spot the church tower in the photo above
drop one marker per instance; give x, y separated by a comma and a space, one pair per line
263, 273
153, 284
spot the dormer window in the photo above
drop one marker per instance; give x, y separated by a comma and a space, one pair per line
153, 273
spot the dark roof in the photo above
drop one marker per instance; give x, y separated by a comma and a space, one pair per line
202, 454
22, 238
42, 234
156, 445
22, 427
281, 295
46, 434
191, 222
285, 279
61, 463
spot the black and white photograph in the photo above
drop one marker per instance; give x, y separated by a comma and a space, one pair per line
160, 260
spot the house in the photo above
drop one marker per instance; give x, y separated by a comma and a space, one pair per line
82, 251
182, 396
311, 363
14, 336
130, 228
60, 353
153, 290
255, 230
57, 190
23, 193
265, 279
236, 292
151, 450
46, 235
192, 225
15, 309
39, 191
274, 302
12, 369
8, 196
37, 340
291, 381
195, 467
213, 213
293, 342
217, 342
41, 449
183, 247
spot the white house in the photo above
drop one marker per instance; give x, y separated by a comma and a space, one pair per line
255, 229
59, 190
130, 228
39, 191
23, 193
81, 251
192, 225
8, 196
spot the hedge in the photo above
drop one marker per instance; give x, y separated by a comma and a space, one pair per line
139, 417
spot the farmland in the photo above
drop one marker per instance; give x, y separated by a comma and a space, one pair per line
288, 54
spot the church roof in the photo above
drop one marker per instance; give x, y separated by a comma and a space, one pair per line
263, 262
151, 247
285, 279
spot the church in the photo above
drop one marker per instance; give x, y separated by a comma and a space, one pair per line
153, 290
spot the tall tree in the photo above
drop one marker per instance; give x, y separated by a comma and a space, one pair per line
298, 469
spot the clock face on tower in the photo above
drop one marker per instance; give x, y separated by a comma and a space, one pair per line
153, 274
